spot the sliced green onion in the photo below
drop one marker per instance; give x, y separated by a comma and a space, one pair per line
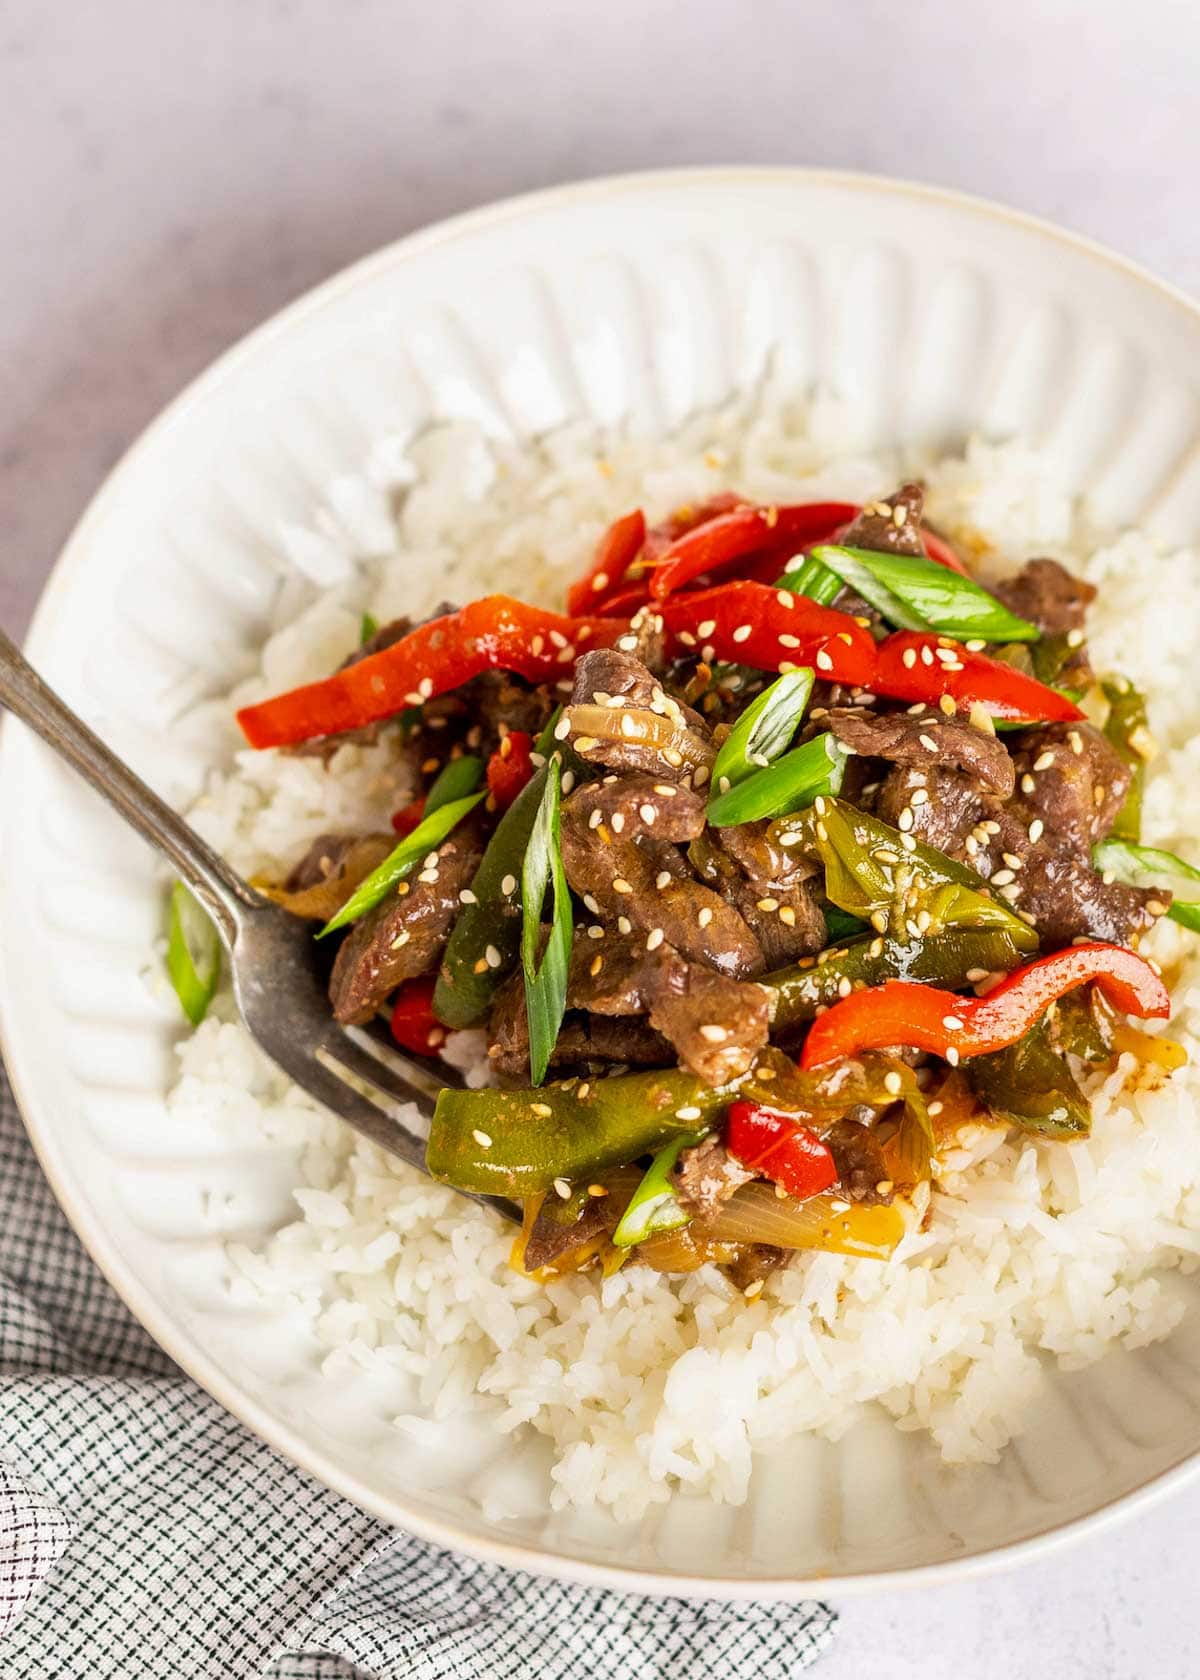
764, 729
193, 953
368, 627
426, 837
1148, 866
789, 784
545, 984
918, 594
458, 778
655, 1207
812, 579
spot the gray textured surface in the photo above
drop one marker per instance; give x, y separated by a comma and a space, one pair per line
170, 174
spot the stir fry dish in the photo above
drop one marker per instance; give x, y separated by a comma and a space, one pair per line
786, 853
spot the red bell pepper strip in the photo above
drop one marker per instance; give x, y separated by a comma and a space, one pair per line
510, 767
625, 602
414, 1025
780, 1148
616, 551
495, 633
753, 624
918, 665
408, 817
945, 1024
743, 531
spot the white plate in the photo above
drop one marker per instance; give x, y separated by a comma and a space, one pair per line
648, 297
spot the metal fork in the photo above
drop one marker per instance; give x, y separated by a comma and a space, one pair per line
351, 1070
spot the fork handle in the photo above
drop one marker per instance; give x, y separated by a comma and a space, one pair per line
220, 889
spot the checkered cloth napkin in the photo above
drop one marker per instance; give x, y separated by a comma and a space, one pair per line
145, 1533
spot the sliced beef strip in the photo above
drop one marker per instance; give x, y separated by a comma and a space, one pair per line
646, 884
323, 859
889, 527
1047, 595
715, 1024
551, 1238
1056, 886
403, 936
948, 805
859, 1160
385, 637
706, 1176
582, 1038
1070, 776
755, 1264
775, 891
664, 738
639, 806
926, 740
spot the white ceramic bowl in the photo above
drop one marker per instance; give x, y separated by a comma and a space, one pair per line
642, 297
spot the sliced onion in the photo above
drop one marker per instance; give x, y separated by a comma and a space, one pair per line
757, 1215
323, 900
640, 728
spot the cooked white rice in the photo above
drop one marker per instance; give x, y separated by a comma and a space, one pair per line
645, 1383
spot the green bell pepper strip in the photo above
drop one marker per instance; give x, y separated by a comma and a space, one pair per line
426, 837
193, 953
764, 729
795, 780
458, 778
914, 593
875, 872
813, 580
655, 1207
516, 1143
1148, 866
1127, 721
368, 627
954, 958
1030, 1084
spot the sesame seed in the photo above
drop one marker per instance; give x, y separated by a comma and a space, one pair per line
542, 1110
823, 661
705, 630
665, 788
927, 741
789, 641
767, 905
596, 818
688, 1112
947, 705
600, 581
663, 879
742, 633
908, 841
597, 1190
562, 728
596, 964
624, 925
893, 1083
971, 845
1075, 639
905, 820
952, 1023
585, 743
1011, 892
952, 1056
595, 931
787, 915
924, 921
879, 921
628, 644
784, 599
686, 637
844, 986
820, 805
480, 967
875, 948
1043, 761
429, 876
975, 646
1156, 907
884, 856
1012, 860
1036, 829
402, 938
648, 814
700, 775
713, 1033
919, 796
618, 822
583, 1090
926, 656
562, 1188
1002, 877
975, 975
621, 885
493, 957
1027, 783
654, 939
482, 1139
912, 928
589, 901
538, 645
705, 917
672, 757
1076, 741
752, 1290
